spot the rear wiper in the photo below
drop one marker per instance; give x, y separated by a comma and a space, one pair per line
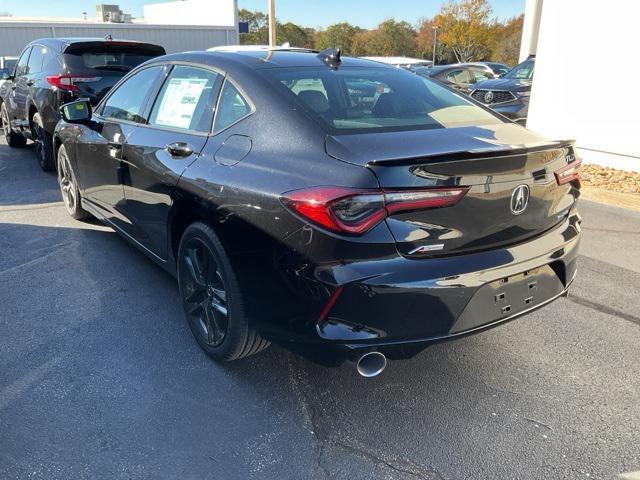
117, 68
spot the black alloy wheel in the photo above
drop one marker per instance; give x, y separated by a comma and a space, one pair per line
13, 139
42, 143
69, 186
204, 296
211, 297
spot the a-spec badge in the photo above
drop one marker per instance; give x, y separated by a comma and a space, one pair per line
427, 248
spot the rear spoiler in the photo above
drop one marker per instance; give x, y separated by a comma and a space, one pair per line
474, 154
120, 44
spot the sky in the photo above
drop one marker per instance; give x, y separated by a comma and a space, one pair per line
308, 13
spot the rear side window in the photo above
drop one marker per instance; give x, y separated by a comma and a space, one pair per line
361, 99
232, 106
105, 57
187, 100
480, 75
459, 76
128, 100
35, 59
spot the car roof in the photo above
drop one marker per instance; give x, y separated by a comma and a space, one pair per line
260, 59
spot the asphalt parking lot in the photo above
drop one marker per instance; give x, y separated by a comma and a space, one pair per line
100, 376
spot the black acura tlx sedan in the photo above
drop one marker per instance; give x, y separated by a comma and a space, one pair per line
341, 208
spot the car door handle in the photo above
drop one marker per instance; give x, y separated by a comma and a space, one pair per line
179, 149
30, 83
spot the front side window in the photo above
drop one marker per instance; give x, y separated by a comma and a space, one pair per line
128, 100
232, 106
187, 100
362, 99
35, 59
21, 67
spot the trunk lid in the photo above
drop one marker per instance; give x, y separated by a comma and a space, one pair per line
496, 162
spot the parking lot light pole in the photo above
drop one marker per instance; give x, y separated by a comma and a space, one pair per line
272, 23
435, 42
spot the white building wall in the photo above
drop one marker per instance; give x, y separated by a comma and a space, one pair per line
586, 79
174, 38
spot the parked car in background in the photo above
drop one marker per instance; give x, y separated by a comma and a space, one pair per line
407, 63
339, 207
54, 71
7, 64
462, 77
508, 95
498, 69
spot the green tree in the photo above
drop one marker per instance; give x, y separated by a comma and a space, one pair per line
466, 28
339, 35
293, 34
391, 38
258, 27
395, 38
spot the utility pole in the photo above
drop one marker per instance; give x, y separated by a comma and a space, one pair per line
435, 42
272, 23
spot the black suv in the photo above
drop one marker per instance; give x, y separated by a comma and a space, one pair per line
53, 71
508, 95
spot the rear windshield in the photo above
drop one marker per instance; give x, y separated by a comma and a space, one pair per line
357, 100
524, 71
108, 58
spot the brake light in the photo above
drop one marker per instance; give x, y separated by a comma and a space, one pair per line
67, 82
569, 173
347, 210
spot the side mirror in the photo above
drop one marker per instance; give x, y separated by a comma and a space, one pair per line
77, 112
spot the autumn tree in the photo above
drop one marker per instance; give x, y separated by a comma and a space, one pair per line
339, 35
506, 41
424, 42
466, 28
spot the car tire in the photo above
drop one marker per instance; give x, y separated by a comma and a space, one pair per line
43, 143
12, 138
212, 299
69, 186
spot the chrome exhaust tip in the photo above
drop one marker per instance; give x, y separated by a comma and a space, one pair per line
371, 364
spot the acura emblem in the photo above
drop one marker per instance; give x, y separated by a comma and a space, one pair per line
488, 97
519, 199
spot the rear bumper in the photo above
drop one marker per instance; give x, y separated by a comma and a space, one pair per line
399, 306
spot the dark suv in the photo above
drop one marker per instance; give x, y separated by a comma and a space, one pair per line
508, 95
53, 71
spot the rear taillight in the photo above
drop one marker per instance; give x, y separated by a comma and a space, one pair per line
347, 210
68, 82
569, 173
